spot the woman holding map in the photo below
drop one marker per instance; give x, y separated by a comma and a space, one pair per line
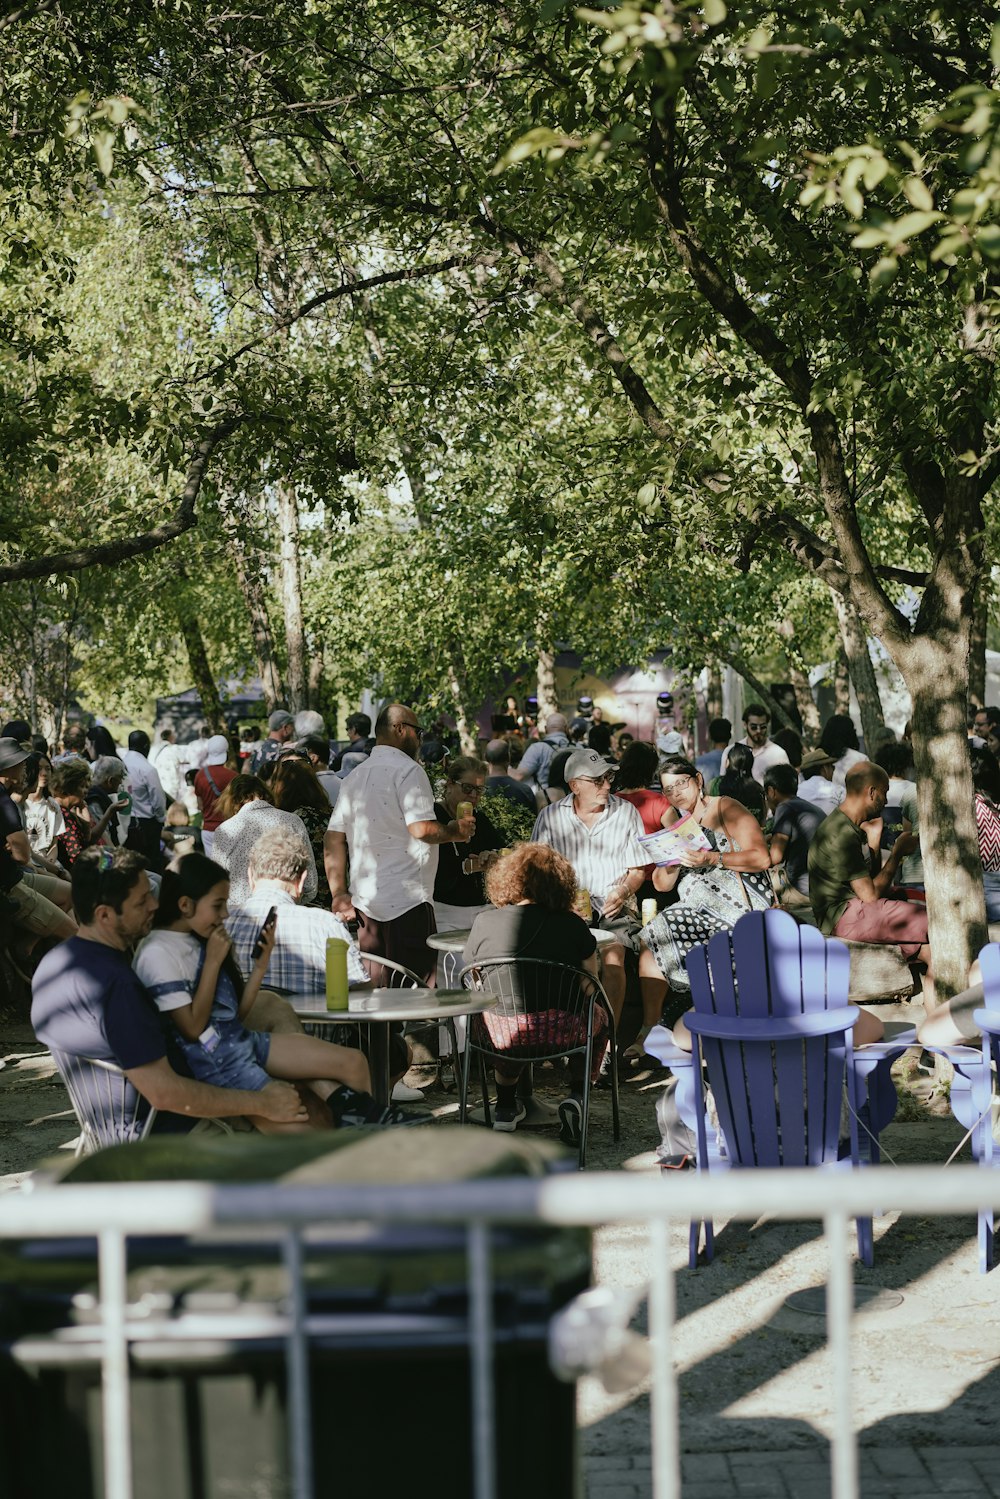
718, 862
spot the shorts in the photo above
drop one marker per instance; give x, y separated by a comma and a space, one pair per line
35, 913
401, 940
238, 1061
624, 926
886, 921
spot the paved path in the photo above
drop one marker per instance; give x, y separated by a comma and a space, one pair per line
903, 1472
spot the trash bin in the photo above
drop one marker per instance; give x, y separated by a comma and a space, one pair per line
387, 1321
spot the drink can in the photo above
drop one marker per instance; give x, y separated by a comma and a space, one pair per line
584, 906
336, 973
649, 910
464, 809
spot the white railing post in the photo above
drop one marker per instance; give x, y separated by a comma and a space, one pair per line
839, 1317
112, 1267
663, 1402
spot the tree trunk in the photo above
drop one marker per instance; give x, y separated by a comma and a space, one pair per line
799, 680
859, 664
201, 671
467, 736
548, 698
841, 685
934, 670
977, 644
317, 670
779, 718
251, 584
291, 596
713, 694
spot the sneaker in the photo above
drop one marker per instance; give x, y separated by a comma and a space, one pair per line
571, 1121
507, 1119
351, 1109
403, 1093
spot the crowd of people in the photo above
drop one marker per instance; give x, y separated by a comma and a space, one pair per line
165, 899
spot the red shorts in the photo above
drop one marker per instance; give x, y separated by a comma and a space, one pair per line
899, 921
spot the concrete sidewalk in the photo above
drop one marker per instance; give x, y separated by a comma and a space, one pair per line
901, 1472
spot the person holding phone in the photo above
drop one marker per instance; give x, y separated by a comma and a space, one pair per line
186, 964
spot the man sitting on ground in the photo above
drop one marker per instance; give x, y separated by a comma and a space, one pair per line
794, 827
848, 881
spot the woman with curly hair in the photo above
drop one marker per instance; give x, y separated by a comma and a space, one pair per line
70, 784
531, 889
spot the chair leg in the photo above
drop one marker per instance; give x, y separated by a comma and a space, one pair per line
866, 1242
616, 1124
462, 1074
484, 1081
694, 1234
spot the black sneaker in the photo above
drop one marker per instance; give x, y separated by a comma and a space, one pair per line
351, 1108
506, 1119
571, 1121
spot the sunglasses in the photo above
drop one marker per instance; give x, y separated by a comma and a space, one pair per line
474, 790
600, 780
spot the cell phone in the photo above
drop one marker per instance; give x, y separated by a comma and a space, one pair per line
268, 921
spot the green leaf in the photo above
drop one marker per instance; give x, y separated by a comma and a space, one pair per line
883, 272
715, 12
103, 143
988, 240
918, 193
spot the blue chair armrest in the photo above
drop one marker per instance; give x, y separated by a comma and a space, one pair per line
987, 1022
732, 1028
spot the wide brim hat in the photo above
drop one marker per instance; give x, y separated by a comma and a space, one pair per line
11, 754
813, 759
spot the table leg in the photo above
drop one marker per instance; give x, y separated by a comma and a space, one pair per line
379, 1062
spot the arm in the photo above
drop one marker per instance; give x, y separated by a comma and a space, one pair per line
19, 847
97, 828
868, 889
192, 1019
165, 1089
626, 885
252, 986
779, 844
742, 828
335, 863
459, 830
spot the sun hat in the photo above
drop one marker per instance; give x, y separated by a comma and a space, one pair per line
813, 759
11, 754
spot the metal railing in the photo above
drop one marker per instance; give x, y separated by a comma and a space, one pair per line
285, 1214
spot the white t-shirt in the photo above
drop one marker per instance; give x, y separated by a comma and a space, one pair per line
822, 793
43, 822
166, 963
767, 755
391, 872
848, 758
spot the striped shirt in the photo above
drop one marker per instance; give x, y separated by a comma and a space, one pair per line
298, 962
600, 855
988, 823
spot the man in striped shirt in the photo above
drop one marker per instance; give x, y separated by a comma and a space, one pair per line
597, 833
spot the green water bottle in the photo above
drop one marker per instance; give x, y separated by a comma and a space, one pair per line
336, 973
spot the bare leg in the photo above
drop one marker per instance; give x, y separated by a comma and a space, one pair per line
867, 1028
300, 1058
613, 977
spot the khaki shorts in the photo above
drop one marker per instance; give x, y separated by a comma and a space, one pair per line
49, 885
36, 914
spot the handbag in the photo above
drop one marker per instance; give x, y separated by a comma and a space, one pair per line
757, 887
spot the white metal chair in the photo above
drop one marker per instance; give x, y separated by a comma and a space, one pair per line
109, 1110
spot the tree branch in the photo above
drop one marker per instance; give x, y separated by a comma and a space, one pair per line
347, 288
132, 546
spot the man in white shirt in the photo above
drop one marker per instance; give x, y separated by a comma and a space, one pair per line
193, 754
168, 759
597, 833
384, 822
756, 722
816, 784
149, 806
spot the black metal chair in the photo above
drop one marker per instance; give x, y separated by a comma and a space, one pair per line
547, 1010
109, 1110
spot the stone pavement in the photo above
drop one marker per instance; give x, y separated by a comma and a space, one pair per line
899, 1472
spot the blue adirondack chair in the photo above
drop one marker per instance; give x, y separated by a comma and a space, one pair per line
772, 1022
971, 1094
